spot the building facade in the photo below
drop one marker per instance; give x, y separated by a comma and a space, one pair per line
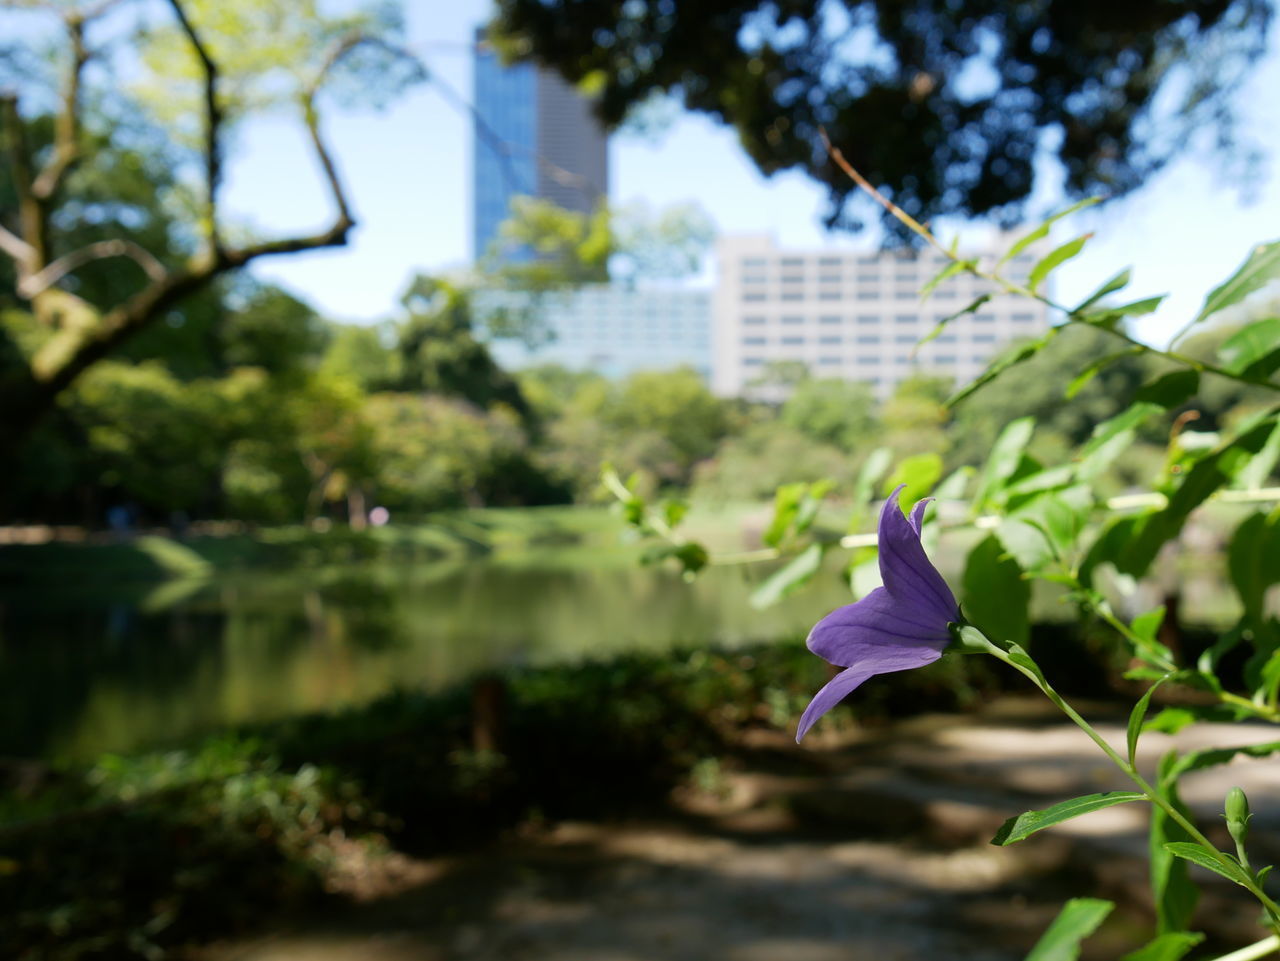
612, 330
854, 316
533, 135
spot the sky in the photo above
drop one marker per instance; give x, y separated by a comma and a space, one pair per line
407, 174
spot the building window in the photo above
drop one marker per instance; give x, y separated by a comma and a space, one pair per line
946, 338
752, 361
984, 338
946, 292
793, 279
864, 360
868, 319
829, 319
904, 339
752, 297
905, 318
905, 278
829, 279
792, 295
868, 278
829, 261
904, 294
792, 261
868, 295
979, 358
792, 341
945, 360
868, 338
754, 341
872, 259
830, 339
902, 359
828, 360
1024, 318
984, 318
753, 320
754, 278
792, 319
828, 295
748, 262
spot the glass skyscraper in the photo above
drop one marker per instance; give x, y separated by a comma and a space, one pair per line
533, 135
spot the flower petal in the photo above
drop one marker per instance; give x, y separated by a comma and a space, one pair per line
904, 568
917, 514
861, 630
839, 687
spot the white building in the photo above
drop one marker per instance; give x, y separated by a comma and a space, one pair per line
856, 316
613, 330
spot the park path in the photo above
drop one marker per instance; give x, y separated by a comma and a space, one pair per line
871, 846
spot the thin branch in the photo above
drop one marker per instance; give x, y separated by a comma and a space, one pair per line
212, 128
66, 140
15, 246
30, 286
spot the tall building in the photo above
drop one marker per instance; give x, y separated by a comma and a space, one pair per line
612, 330
854, 316
533, 135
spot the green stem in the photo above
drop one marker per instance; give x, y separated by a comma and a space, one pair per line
1132, 772
1259, 949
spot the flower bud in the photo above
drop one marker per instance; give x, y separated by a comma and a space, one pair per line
1237, 814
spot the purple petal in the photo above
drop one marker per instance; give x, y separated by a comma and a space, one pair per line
917, 514
904, 568
862, 630
839, 687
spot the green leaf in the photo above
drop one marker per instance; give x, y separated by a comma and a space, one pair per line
1173, 891
1213, 756
864, 486
919, 473
1250, 344
1194, 853
1092, 370
1166, 947
1003, 459
996, 596
1055, 259
1254, 546
788, 577
1078, 919
1136, 717
786, 503
1024, 825
1107, 317
1261, 267
1111, 286
1010, 358
1042, 230
953, 268
1254, 474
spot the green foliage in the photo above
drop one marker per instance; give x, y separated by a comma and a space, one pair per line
996, 597
840, 413
777, 75
1078, 919
1024, 825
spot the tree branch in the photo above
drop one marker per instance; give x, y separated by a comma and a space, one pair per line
66, 141
34, 284
31, 217
212, 128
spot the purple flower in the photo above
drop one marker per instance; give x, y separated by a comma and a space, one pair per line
894, 628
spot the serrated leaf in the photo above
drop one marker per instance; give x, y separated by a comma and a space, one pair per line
1166, 947
1250, 344
1136, 717
1011, 358
1078, 919
1117, 282
1042, 230
1260, 268
1194, 853
1024, 825
788, 577
1055, 259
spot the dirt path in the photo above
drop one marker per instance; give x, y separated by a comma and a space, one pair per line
871, 848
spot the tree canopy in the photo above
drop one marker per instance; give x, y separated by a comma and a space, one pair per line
948, 106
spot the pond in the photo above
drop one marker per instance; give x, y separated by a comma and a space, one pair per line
90, 667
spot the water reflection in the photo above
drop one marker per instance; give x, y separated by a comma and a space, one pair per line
86, 671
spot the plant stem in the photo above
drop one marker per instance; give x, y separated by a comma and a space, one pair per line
1131, 771
1259, 949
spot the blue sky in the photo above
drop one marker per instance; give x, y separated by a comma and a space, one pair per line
407, 172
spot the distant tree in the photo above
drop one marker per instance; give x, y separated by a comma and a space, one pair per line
841, 413
915, 420
947, 106
203, 67
363, 354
